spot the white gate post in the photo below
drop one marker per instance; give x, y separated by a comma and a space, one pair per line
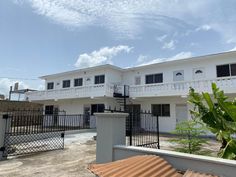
111, 131
2, 134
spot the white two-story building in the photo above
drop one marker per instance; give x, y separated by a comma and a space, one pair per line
161, 88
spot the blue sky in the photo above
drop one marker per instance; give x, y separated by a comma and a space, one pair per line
40, 37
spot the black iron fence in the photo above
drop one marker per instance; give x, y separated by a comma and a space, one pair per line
34, 131
142, 129
29, 134
35, 121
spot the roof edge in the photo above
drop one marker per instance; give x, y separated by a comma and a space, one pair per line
138, 67
82, 70
181, 60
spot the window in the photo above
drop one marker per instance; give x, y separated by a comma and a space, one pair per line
198, 71
226, 70
100, 79
78, 82
49, 109
97, 108
66, 84
233, 69
178, 75
165, 110
137, 80
50, 85
223, 71
161, 110
154, 78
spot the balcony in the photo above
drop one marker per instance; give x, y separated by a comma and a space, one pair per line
148, 90
90, 91
182, 88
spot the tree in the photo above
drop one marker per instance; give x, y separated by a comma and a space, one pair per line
219, 115
188, 138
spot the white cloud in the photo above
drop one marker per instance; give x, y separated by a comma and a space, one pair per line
120, 16
180, 55
142, 58
233, 49
38, 85
6, 83
203, 28
126, 17
230, 41
194, 44
162, 38
102, 56
169, 45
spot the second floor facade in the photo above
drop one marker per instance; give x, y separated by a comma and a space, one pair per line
170, 78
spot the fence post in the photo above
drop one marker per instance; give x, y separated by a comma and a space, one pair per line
130, 127
110, 131
2, 135
158, 133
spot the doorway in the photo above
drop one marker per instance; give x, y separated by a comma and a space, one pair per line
135, 110
87, 115
181, 112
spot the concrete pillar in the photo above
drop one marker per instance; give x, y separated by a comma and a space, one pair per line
2, 133
111, 131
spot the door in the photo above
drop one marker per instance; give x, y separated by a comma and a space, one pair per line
55, 115
181, 112
135, 110
86, 115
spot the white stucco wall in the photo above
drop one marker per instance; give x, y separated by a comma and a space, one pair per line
166, 124
111, 76
76, 106
208, 63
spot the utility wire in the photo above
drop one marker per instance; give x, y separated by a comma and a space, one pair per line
18, 78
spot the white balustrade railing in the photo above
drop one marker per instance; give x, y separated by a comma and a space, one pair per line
77, 92
119, 89
182, 88
162, 89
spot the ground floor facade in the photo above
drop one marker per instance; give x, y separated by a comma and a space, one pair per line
171, 109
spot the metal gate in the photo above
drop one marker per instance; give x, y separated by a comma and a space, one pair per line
142, 128
30, 132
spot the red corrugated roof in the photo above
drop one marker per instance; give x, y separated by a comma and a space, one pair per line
142, 166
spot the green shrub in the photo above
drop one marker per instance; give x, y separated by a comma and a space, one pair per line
188, 138
219, 115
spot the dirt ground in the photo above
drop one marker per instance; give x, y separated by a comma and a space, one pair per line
71, 162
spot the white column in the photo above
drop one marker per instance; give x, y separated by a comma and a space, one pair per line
110, 131
2, 133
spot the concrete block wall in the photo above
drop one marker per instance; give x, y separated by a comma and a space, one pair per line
6, 105
2, 133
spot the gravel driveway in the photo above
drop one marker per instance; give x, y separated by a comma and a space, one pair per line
71, 162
